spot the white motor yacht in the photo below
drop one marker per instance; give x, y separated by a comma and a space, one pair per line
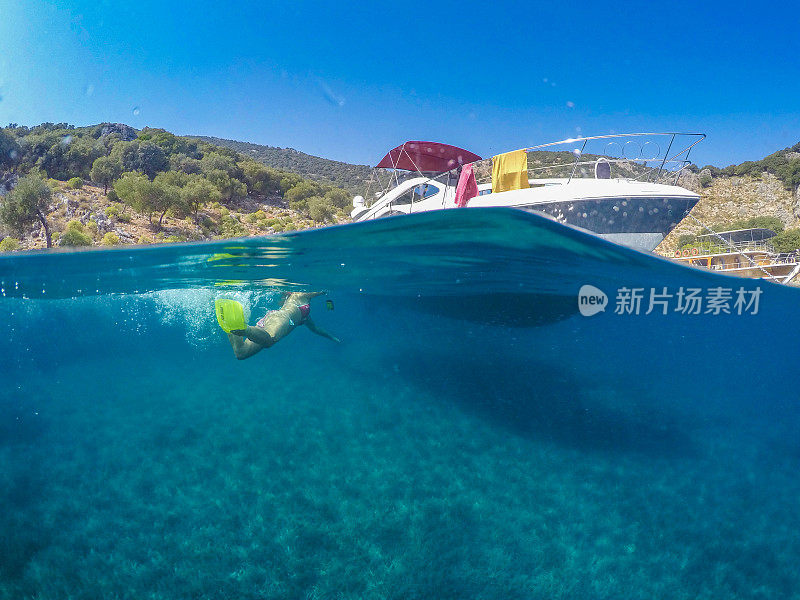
621, 187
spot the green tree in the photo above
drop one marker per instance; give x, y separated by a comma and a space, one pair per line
151, 159
214, 161
199, 192
26, 204
167, 193
319, 209
259, 178
105, 170
126, 154
339, 198
148, 197
131, 190
182, 162
228, 186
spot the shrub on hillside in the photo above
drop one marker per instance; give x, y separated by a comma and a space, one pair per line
773, 223
75, 183
9, 244
787, 241
75, 235
110, 239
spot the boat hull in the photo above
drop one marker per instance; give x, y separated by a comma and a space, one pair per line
641, 223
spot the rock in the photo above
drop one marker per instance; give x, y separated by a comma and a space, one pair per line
7, 182
125, 132
103, 224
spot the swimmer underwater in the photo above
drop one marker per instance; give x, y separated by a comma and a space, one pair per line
271, 328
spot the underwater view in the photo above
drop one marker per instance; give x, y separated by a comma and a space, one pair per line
514, 409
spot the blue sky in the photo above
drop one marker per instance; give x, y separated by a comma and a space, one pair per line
349, 81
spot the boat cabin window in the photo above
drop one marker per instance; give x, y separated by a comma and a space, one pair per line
426, 190
417, 193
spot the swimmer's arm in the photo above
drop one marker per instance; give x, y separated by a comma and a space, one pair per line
314, 329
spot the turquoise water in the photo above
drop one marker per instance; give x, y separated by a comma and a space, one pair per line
473, 436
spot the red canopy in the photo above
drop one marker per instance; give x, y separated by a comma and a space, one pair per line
426, 157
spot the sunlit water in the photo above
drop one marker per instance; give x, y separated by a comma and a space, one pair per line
473, 436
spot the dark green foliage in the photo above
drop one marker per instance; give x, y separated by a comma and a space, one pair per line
171, 144
320, 209
706, 178
686, 240
773, 223
198, 192
338, 198
26, 204
146, 157
184, 163
9, 150
786, 241
259, 178
351, 177
148, 197
105, 170
151, 159
302, 191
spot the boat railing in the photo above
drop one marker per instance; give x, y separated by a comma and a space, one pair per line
658, 157
735, 247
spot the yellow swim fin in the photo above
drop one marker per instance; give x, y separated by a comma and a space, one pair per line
230, 314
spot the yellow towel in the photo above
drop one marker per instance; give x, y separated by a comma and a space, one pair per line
510, 171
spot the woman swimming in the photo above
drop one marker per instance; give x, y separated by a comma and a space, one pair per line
276, 325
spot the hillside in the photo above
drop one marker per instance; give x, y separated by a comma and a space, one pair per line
350, 177
111, 184
731, 196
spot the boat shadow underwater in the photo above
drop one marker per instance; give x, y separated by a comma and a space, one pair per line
499, 309
538, 400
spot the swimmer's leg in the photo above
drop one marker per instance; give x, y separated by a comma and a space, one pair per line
303, 297
250, 341
243, 348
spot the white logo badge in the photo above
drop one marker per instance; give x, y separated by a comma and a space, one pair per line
591, 300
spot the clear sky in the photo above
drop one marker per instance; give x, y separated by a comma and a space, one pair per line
348, 81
